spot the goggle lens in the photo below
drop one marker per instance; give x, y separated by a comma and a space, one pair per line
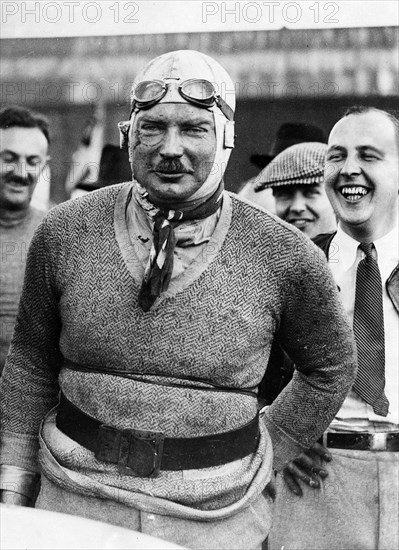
149, 91
199, 90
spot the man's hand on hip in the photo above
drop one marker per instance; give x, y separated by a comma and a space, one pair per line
307, 467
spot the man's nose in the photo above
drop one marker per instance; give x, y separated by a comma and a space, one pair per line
298, 202
351, 166
20, 168
172, 145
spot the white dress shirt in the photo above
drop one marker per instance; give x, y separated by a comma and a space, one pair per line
344, 256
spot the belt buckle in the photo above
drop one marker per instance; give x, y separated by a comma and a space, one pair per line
378, 441
141, 452
134, 451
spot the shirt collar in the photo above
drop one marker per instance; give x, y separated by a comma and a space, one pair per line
388, 245
344, 249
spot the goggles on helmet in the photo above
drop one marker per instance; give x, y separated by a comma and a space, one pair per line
197, 91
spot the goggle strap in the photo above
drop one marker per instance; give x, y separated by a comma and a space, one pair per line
224, 107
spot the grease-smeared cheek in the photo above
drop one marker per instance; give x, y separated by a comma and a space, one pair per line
147, 140
136, 139
138, 147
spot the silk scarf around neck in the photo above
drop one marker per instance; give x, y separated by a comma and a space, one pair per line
158, 272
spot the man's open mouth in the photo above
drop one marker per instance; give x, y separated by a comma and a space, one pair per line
354, 193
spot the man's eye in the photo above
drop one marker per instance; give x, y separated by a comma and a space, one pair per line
150, 128
8, 157
194, 130
369, 156
335, 157
34, 161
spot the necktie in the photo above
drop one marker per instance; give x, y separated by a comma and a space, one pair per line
368, 326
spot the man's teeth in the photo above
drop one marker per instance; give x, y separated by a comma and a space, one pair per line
354, 193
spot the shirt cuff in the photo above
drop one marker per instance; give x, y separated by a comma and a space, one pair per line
19, 450
18, 480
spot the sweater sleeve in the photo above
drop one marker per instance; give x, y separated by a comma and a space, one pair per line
29, 384
316, 333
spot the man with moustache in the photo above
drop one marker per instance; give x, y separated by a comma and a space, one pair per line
296, 178
357, 504
151, 306
24, 140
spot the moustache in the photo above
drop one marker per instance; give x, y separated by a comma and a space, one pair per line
12, 178
171, 166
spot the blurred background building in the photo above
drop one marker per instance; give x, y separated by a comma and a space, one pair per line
286, 75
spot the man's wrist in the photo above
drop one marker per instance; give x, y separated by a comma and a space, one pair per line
16, 480
16, 499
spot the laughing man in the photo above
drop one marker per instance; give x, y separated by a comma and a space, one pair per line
357, 505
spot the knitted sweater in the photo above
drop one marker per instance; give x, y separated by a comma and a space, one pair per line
14, 241
256, 278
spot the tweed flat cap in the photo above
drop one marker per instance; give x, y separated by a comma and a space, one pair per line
301, 164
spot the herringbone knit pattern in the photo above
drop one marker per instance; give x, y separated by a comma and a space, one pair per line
81, 302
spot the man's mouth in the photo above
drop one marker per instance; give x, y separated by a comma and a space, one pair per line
353, 193
170, 175
300, 223
18, 183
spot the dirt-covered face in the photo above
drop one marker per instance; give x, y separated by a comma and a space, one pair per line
172, 150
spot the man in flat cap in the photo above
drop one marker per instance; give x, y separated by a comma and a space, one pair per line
150, 308
296, 179
288, 134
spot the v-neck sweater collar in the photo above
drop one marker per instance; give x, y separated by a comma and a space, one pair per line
135, 254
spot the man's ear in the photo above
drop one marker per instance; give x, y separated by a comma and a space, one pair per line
124, 127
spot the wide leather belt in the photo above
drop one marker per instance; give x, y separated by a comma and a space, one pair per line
145, 453
383, 441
